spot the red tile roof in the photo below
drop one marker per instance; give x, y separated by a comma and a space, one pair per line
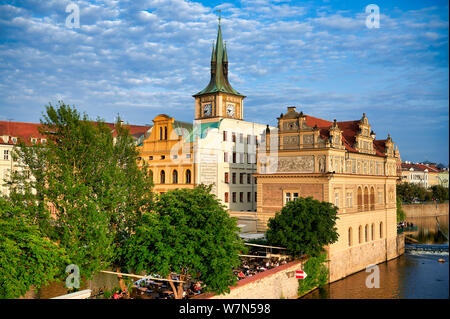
26, 131
420, 167
349, 131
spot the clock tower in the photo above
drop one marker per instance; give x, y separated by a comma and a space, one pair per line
219, 100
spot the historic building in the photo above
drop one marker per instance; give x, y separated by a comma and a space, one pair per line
167, 149
425, 175
225, 145
339, 162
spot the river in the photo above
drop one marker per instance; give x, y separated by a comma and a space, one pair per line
413, 275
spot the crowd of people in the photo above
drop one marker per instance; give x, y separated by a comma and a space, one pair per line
404, 225
253, 265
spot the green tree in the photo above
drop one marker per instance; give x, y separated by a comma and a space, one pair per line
401, 216
191, 234
304, 226
86, 190
27, 257
440, 193
316, 274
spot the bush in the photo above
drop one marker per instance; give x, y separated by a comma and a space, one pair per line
317, 274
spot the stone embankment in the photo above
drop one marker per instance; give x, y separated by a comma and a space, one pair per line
425, 210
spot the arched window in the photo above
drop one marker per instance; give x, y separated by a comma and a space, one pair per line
161, 133
381, 229
373, 231
350, 236
188, 176
163, 177
360, 234
366, 235
366, 199
360, 199
175, 177
165, 132
372, 198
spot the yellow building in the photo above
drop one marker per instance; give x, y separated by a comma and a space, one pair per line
337, 162
167, 149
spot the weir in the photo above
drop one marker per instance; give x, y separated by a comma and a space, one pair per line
428, 248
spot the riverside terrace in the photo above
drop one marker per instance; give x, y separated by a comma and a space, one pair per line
260, 258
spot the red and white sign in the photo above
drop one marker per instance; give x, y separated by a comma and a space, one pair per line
300, 274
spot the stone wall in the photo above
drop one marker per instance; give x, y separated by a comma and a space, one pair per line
274, 283
426, 210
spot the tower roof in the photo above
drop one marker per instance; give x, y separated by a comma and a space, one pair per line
219, 70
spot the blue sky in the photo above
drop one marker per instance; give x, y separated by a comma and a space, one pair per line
142, 58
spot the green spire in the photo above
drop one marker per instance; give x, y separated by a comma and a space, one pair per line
219, 69
225, 56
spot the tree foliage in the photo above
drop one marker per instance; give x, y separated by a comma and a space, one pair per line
317, 274
191, 234
401, 215
86, 190
304, 226
410, 192
27, 257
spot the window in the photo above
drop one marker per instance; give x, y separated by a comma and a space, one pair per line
381, 230
241, 138
163, 157
233, 137
249, 197
188, 155
350, 235
225, 157
165, 132
150, 158
161, 133
234, 157
224, 136
175, 156
256, 196
226, 197
360, 234
294, 196
249, 179
336, 199
188, 176
287, 197
162, 177
6, 154
249, 140
373, 231
349, 200
241, 178
241, 158
234, 197
175, 177
226, 177
233, 178
366, 231
241, 197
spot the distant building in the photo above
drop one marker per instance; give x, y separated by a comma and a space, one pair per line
425, 175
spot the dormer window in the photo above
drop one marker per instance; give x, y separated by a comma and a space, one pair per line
33, 140
14, 140
43, 140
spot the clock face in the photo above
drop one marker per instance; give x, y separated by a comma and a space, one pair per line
207, 109
230, 109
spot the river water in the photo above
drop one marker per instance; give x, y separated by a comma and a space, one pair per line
414, 275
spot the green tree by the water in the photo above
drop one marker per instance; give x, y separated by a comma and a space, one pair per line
83, 187
191, 234
304, 226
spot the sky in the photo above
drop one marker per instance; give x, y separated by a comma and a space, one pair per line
141, 58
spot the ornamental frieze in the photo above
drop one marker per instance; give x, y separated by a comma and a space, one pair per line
297, 164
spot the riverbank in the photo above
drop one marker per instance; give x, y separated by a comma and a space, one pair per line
425, 210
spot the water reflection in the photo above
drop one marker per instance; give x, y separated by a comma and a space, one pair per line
412, 275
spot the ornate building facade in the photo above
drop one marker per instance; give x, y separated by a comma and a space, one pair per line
338, 162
